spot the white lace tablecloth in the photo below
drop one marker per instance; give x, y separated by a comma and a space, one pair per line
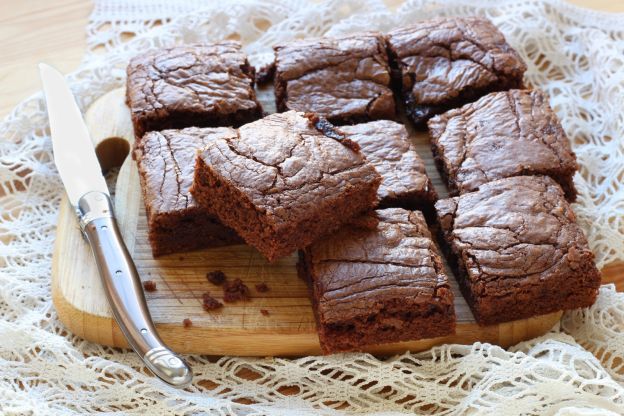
575, 55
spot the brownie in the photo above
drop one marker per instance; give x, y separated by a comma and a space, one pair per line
199, 85
284, 182
503, 134
388, 147
175, 222
445, 62
378, 280
346, 80
517, 250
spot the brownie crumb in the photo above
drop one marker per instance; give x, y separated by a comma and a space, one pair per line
235, 290
329, 130
210, 303
187, 323
262, 287
264, 312
216, 277
265, 74
149, 286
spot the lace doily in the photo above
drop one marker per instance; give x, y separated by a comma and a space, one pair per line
576, 56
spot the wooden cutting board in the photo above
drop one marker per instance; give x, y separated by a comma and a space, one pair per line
238, 328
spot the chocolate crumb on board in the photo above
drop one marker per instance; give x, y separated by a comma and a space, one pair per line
216, 277
329, 130
210, 303
235, 290
149, 286
187, 323
262, 287
264, 312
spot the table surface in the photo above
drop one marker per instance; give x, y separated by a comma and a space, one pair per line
54, 31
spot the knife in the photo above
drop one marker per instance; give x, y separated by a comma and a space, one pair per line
87, 192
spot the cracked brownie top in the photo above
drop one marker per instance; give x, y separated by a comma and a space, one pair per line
515, 232
166, 161
388, 147
377, 258
197, 79
445, 58
284, 165
503, 134
343, 79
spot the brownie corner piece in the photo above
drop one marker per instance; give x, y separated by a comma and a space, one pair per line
282, 183
378, 280
387, 145
345, 79
191, 85
503, 134
517, 250
175, 222
445, 62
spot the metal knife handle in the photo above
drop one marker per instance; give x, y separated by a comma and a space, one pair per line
123, 289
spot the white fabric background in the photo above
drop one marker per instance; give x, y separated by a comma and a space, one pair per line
576, 56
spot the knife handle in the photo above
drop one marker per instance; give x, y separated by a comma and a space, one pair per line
124, 291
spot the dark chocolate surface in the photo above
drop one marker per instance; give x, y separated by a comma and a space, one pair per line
343, 79
283, 165
502, 134
386, 144
517, 249
197, 85
282, 183
445, 62
166, 163
379, 279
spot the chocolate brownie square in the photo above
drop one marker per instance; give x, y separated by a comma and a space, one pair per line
517, 250
346, 80
378, 280
198, 85
503, 134
445, 62
388, 147
176, 223
287, 180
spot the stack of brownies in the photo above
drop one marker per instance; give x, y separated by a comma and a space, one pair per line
355, 199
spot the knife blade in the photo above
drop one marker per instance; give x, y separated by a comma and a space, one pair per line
87, 192
74, 155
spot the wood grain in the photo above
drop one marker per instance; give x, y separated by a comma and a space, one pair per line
239, 328
34, 31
